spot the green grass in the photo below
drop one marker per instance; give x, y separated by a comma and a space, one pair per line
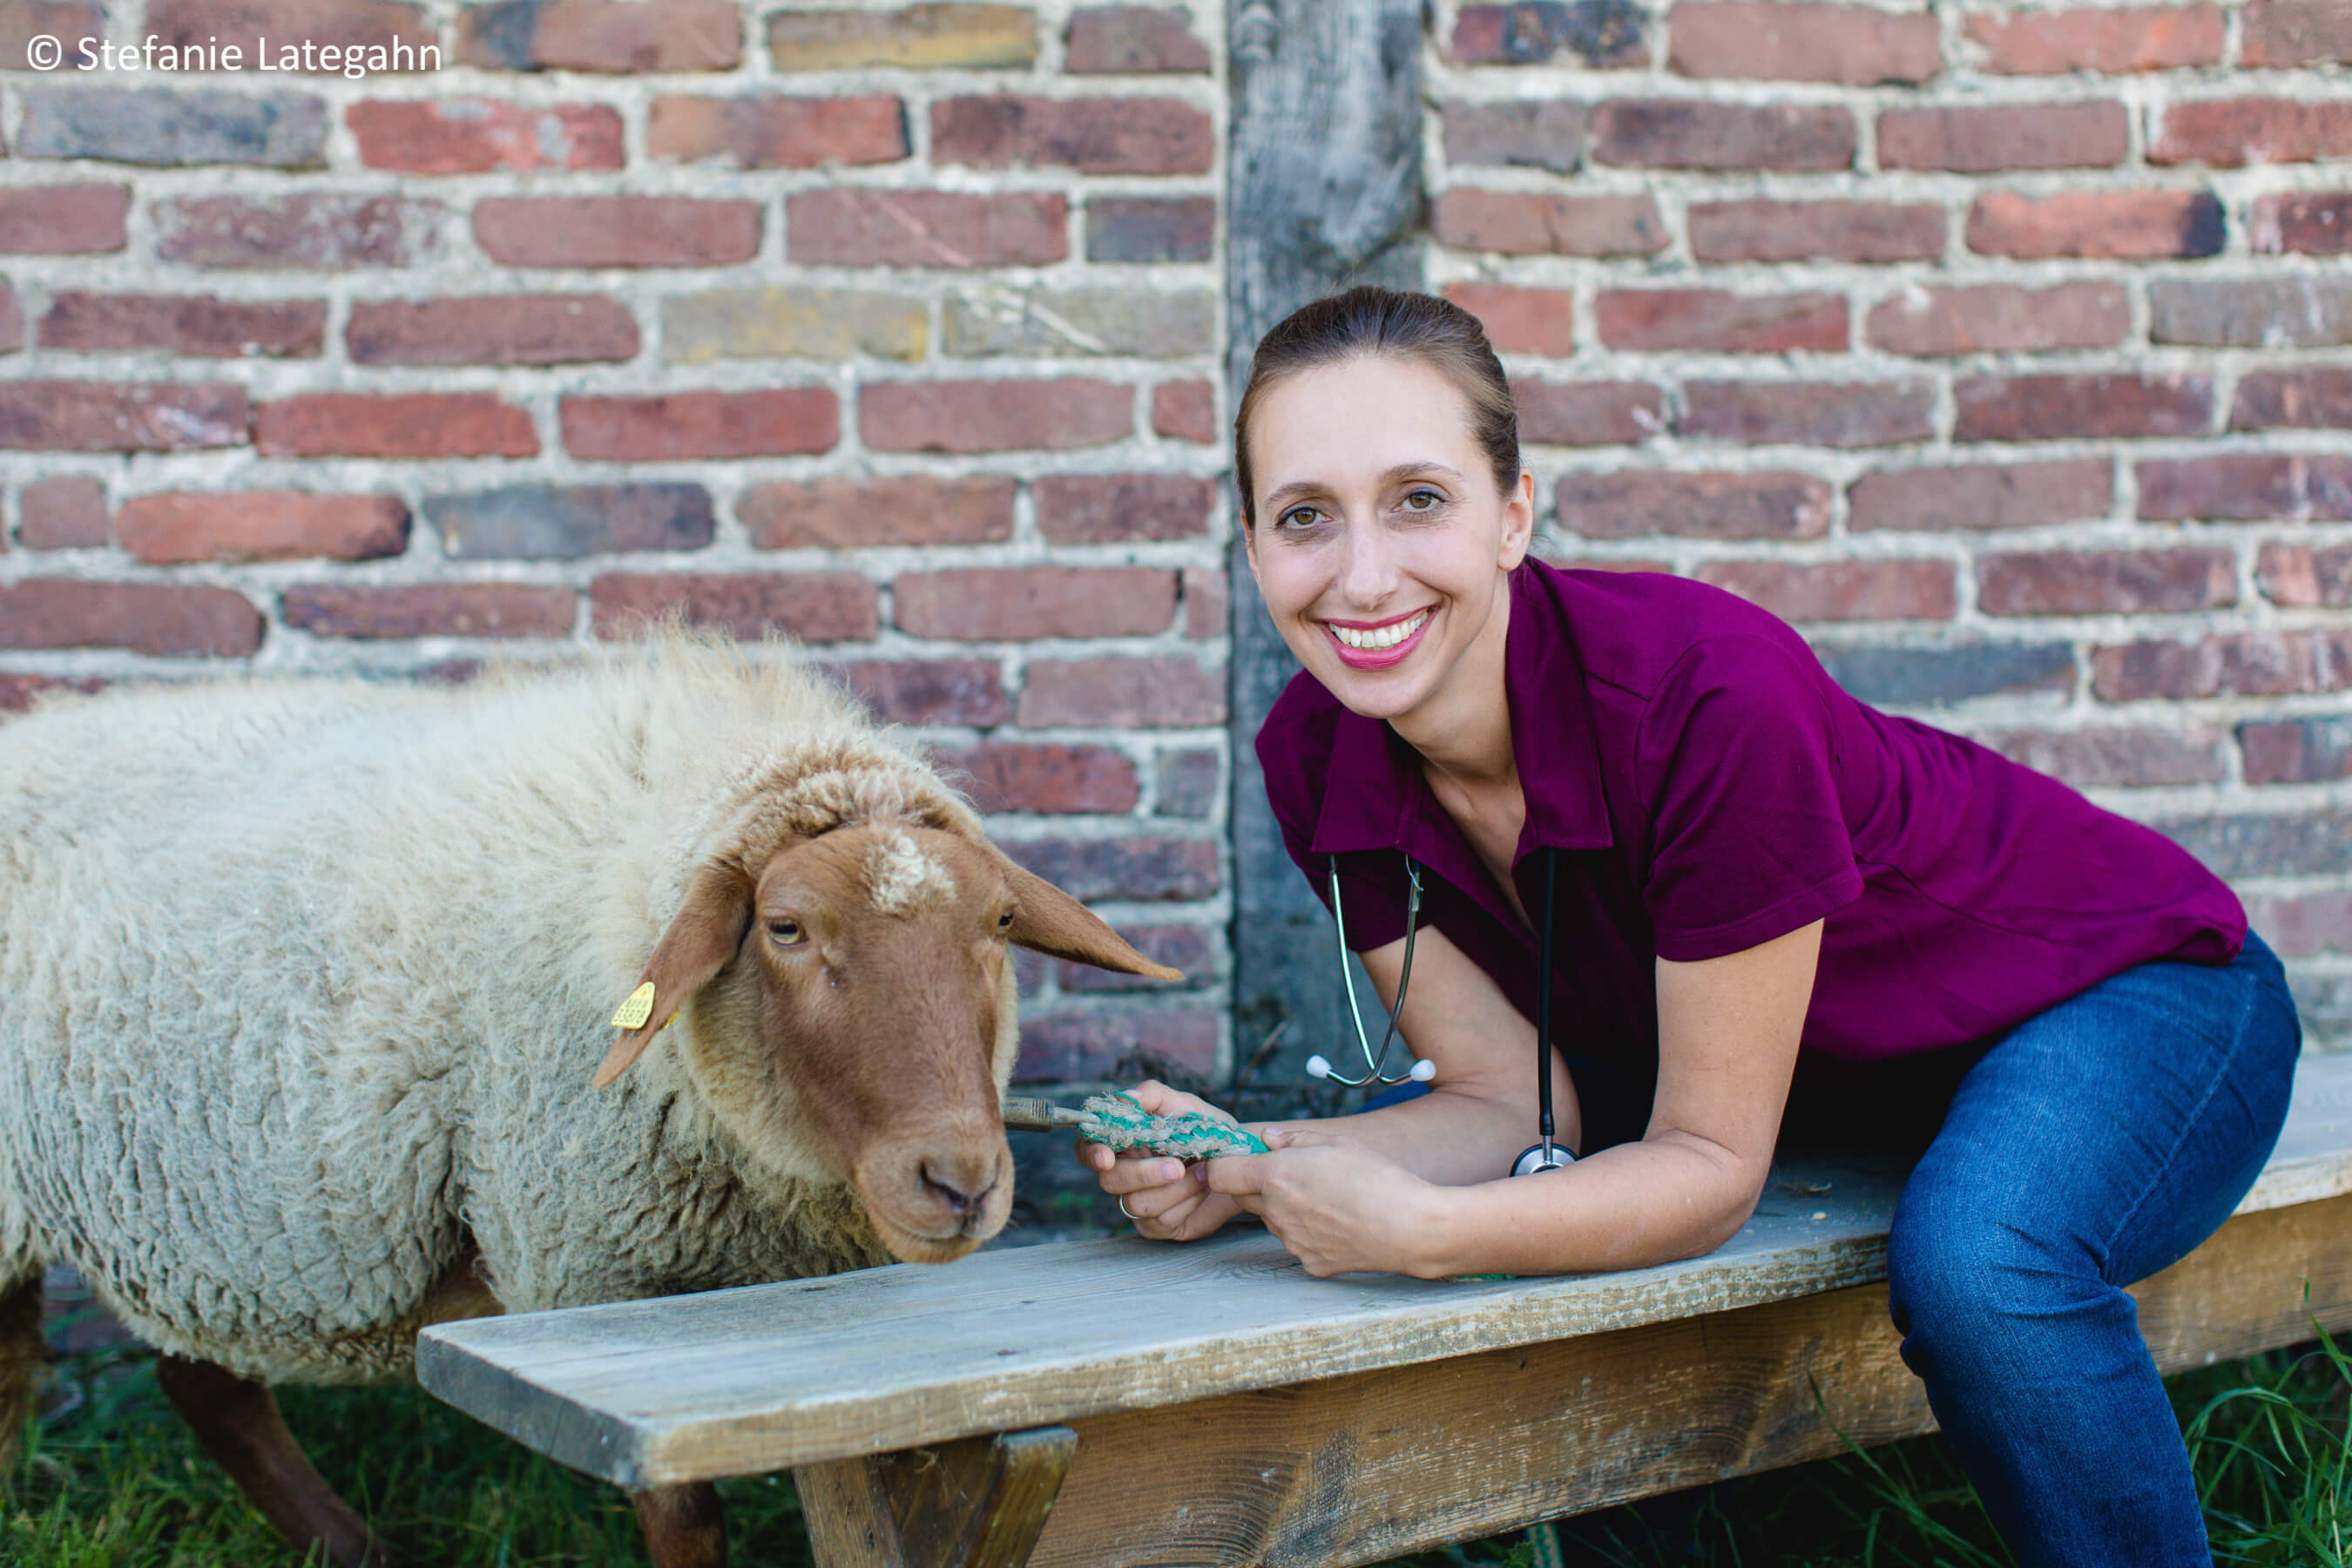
112, 1481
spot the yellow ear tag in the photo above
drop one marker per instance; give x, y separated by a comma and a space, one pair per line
636, 1009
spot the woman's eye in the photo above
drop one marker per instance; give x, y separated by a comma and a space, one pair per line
1296, 516
1423, 500
787, 932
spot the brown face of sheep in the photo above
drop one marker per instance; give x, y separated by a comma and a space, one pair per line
878, 954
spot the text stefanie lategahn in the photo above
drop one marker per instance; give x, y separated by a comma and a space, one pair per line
351, 59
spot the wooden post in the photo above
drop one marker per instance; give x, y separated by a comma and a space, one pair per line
979, 1503
1323, 191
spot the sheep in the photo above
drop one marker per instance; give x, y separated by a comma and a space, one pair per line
304, 981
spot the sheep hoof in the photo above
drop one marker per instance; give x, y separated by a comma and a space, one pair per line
238, 1422
685, 1526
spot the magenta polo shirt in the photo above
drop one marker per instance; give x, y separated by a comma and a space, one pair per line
1709, 787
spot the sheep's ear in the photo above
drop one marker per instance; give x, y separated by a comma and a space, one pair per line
1050, 920
707, 930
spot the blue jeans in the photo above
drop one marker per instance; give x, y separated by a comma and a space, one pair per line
2088, 1148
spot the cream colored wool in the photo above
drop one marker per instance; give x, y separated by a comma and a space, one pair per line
300, 983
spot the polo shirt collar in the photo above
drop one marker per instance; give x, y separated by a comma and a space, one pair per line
1374, 798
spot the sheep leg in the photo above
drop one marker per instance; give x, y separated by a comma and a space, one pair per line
238, 1422
685, 1525
23, 1352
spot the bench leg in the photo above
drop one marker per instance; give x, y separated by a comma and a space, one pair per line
685, 1525
981, 1502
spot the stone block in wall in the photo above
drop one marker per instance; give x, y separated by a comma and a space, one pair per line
1070, 1043
2309, 748
1636, 503
2291, 312
1762, 230
1696, 133
564, 522
1034, 778
810, 323
1185, 411
2282, 32
2094, 582
63, 220
1056, 323
66, 513
616, 231
1102, 135
2048, 407
1132, 39
1587, 414
993, 415
120, 416
1835, 415
2096, 38
848, 226
856, 513
992, 603
1535, 32
1892, 675
2305, 575
455, 135
2238, 664
2247, 487
401, 30
1718, 321
1982, 496
2127, 225
810, 606
776, 131
2305, 223
1120, 691
943, 37
1187, 781
606, 36
374, 612
197, 326
969, 691
394, 424
174, 128
166, 620
311, 230
1110, 508
177, 527
2001, 317
1773, 40
2317, 399
1134, 869
706, 425
1151, 229
491, 329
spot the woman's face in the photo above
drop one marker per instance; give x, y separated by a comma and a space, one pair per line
1381, 544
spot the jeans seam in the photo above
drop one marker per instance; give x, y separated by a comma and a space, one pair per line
2163, 1166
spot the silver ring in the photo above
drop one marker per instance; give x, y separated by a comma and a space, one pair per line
1127, 1211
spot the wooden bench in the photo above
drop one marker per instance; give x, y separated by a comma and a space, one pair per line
1118, 1401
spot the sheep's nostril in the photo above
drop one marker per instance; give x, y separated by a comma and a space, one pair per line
959, 1194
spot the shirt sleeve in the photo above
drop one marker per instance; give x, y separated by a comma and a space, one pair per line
1736, 759
1296, 762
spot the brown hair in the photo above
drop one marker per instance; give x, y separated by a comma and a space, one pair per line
1387, 321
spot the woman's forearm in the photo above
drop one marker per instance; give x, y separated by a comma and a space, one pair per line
1448, 1137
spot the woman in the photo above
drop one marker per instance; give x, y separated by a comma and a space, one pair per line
1751, 871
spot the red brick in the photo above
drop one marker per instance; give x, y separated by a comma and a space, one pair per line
1608, 563
1141, 871
1132, 39
2132, 226
2115, 755
1189, 948
11, 320
1022, 776
120, 416
2055, 43
175, 528
1984, 496
609, 36
1093, 1046
2228, 132
1518, 222
993, 415
1716, 320
566, 522
811, 606
2089, 581
1187, 782
2300, 574
2297, 33
1018, 602
341, 24
1589, 413
2305, 750
2244, 487
2049, 407
1152, 228
1120, 692
928, 691
2005, 136
2294, 311
68, 512
1185, 411
1809, 412
192, 324
394, 424
2249, 664
2001, 317
1115, 508
1816, 231
702, 424
1781, 42
1541, 133
321, 230
1639, 502
63, 220
2298, 925
491, 329
23, 20
1841, 590
431, 610
1521, 321
848, 514
770, 130
1691, 133
1530, 32
1208, 604
2309, 223
1125, 135
926, 228
145, 617
475, 135
2293, 400
615, 231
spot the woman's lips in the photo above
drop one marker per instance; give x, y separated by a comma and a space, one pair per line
1389, 641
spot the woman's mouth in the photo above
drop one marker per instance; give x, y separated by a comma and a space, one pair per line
1377, 646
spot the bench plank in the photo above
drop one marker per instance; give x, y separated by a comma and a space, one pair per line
756, 1380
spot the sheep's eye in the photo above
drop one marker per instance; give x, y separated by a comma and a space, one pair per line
786, 933
1004, 920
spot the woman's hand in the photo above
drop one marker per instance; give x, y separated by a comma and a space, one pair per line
1336, 1205
1168, 1200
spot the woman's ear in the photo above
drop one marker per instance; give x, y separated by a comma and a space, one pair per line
705, 933
1519, 521
1047, 919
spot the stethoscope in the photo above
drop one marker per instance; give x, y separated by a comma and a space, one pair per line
1544, 1155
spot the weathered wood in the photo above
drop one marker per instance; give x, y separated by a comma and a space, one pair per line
745, 1382
981, 1502
1323, 191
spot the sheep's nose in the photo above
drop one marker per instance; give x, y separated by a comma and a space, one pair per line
962, 1193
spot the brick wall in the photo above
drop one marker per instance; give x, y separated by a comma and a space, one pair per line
2007, 351
896, 328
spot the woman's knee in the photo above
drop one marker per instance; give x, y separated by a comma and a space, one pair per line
1979, 1286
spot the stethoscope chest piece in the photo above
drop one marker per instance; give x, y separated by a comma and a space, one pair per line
1545, 1156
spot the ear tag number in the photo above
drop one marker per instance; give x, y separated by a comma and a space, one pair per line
636, 1009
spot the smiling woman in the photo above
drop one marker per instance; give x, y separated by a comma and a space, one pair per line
1756, 882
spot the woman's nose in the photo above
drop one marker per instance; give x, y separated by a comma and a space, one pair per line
1367, 573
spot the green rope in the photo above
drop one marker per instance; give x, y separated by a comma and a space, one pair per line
1121, 1121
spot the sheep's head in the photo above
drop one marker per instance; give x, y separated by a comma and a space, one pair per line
855, 1004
